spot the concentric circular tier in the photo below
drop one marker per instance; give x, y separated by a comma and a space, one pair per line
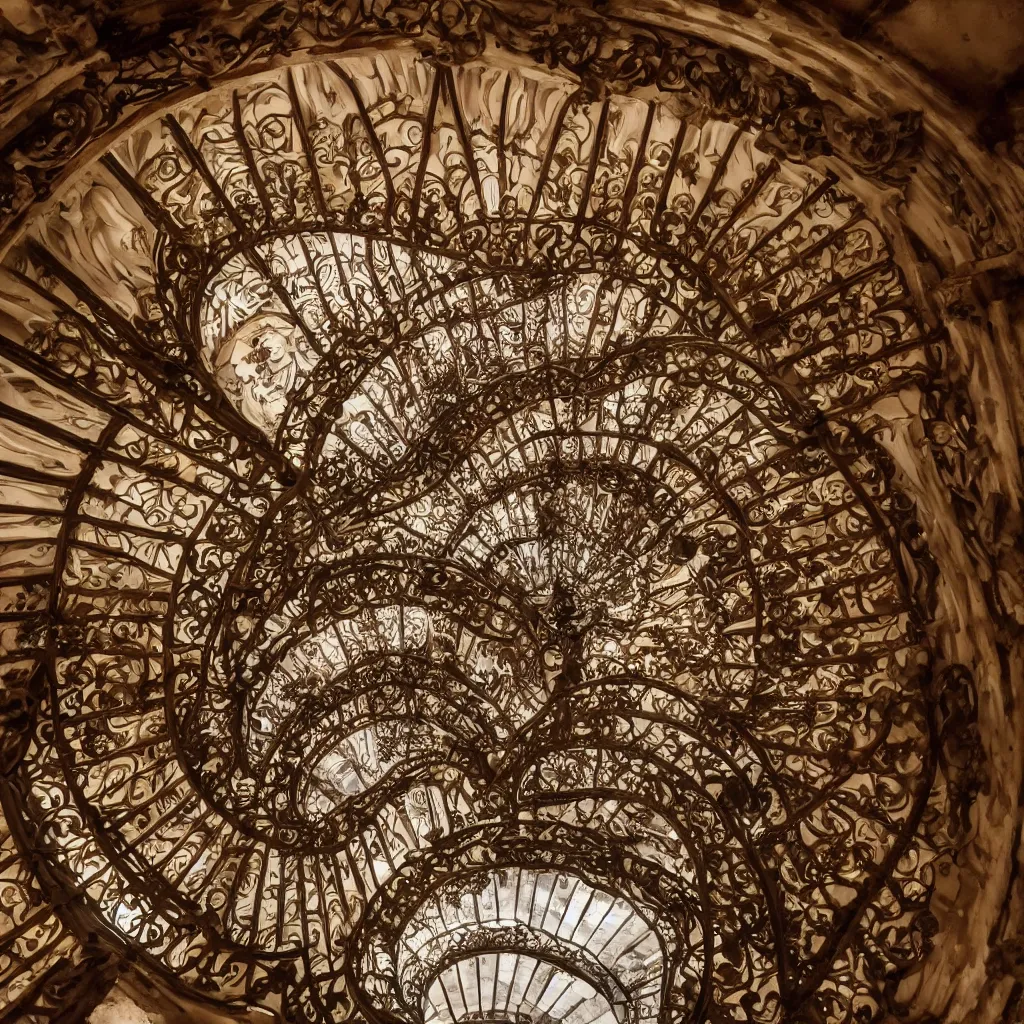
481, 597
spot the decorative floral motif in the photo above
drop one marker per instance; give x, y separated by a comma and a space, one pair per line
475, 477
606, 54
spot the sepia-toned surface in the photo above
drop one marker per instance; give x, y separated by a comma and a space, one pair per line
509, 513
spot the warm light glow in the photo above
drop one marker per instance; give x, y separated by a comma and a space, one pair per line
476, 599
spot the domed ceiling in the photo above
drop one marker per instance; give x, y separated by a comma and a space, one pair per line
483, 541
